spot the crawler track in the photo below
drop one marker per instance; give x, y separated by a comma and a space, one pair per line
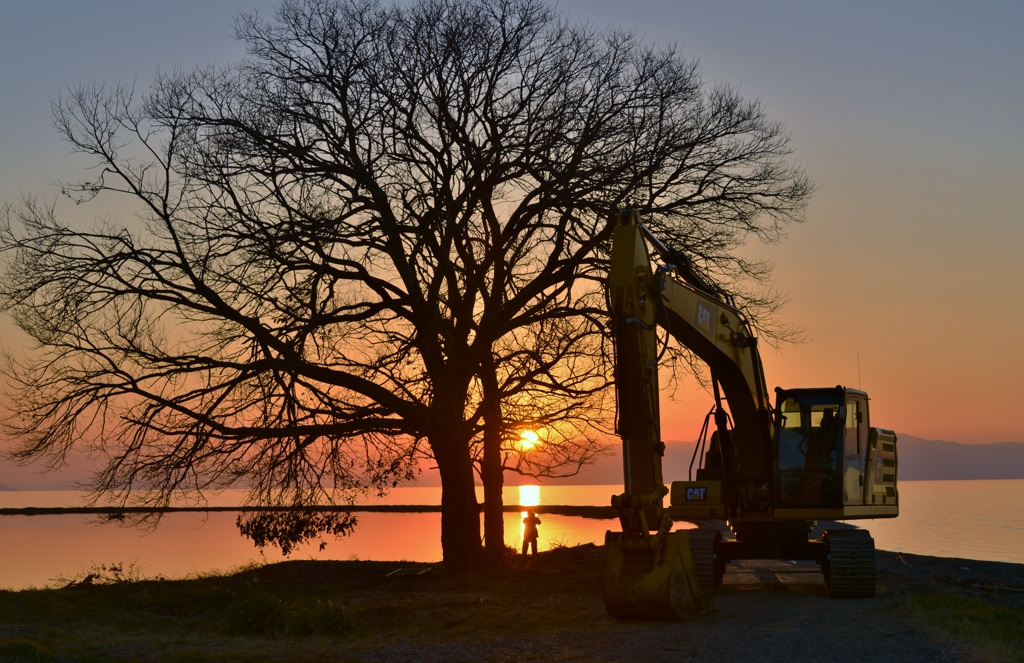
702, 547
850, 566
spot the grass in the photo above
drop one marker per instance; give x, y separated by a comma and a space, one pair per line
184, 620
996, 632
259, 612
294, 610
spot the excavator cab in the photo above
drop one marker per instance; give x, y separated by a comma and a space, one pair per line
828, 462
809, 450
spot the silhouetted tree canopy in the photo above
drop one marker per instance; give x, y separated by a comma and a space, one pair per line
379, 237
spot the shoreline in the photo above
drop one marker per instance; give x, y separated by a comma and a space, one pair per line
594, 512
961, 573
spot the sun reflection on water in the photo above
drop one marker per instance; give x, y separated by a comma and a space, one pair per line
529, 495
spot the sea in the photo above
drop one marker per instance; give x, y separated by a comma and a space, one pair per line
981, 520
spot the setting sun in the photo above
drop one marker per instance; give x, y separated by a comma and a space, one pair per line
528, 440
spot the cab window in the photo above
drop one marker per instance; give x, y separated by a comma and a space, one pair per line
809, 446
852, 438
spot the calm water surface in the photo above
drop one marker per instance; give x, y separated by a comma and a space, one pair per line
969, 519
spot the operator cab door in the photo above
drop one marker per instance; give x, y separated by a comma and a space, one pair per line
809, 450
855, 442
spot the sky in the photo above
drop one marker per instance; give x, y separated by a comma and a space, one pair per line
907, 116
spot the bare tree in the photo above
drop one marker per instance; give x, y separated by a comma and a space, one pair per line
379, 236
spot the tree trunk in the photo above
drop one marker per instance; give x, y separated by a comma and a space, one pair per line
491, 472
494, 517
460, 512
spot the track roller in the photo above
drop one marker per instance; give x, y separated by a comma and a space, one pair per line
849, 566
702, 545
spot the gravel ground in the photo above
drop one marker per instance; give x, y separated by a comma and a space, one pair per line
765, 612
750, 626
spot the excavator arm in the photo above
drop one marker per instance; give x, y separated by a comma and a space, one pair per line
699, 317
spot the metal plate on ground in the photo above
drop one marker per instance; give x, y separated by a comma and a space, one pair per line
803, 578
756, 574
734, 578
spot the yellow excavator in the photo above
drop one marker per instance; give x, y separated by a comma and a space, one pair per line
770, 472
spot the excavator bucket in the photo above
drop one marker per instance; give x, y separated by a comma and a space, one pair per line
642, 584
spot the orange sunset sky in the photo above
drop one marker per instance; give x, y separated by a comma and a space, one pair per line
907, 117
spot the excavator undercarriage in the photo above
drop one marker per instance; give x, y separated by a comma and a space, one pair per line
769, 472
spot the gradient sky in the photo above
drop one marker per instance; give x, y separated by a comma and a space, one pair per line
908, 116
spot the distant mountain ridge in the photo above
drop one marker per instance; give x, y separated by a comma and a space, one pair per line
921, 459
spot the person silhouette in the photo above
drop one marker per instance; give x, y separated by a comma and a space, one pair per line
530, 534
